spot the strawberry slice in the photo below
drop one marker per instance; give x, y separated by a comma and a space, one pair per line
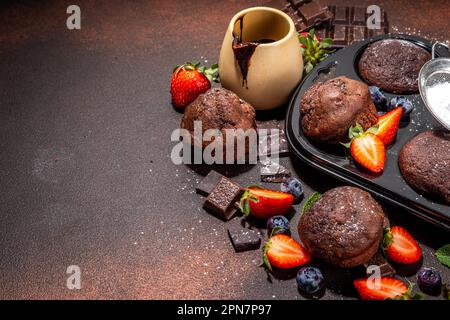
384, 288
265, 203
283, 252
366, 148
400, 246
388, 125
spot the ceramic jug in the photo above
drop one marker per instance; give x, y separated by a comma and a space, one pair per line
260, 59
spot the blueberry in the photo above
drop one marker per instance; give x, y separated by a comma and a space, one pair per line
310, 280
292, 186
403, 102
429, 281
378, 98
279, 222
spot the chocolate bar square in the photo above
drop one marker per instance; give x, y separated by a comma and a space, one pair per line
343, 24
386, 268
221, 201
307, 13
208, 183
274, 134
349, 24
244, 239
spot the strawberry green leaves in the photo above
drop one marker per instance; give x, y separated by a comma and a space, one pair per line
313, 49
357, 131
409, 295
211, 73
387, 241
244, 203
265, 259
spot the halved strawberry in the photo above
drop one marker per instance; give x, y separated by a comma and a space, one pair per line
366, 148
283, 252
400, 246
388, 125
265, 203
380, 289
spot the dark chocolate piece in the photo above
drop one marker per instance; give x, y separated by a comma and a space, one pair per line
386, 269
221, 201
349, 24
208, 183
244, 239
273, 130
273, 172
307, 13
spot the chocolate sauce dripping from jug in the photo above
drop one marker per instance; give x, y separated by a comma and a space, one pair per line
243, 52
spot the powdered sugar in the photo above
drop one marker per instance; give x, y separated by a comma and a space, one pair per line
438, 98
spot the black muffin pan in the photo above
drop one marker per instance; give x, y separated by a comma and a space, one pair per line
335, 161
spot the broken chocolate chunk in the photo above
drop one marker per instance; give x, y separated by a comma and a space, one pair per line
244, 239
307, 13
273, 172
271, 139
208, 183
221, 201
386, 270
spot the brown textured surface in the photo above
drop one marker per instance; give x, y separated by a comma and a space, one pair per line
425, 163
344, 227
86, 178
330, 108
393, 65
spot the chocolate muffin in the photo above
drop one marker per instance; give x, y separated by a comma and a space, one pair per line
330, 108
393, 65
425, 163
344, 227
220, 109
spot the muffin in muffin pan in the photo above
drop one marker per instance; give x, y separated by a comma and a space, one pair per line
313, 126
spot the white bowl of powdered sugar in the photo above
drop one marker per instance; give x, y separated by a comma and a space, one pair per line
434, 86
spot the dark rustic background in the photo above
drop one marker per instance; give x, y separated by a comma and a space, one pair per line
85, 171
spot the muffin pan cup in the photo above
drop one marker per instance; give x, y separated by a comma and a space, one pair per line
389, 186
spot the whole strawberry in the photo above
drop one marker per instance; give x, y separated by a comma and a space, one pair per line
189, 81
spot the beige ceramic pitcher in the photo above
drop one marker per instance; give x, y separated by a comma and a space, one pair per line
260, 59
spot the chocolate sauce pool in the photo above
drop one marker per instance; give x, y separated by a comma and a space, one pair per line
243, 51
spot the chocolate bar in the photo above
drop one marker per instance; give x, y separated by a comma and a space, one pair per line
221, 201
206, 186
244, 239
307, 13
349, 24
386, 270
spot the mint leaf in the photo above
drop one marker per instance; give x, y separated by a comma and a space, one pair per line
443, 255
314, 197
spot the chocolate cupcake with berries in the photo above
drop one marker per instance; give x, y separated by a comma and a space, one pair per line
344, 227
